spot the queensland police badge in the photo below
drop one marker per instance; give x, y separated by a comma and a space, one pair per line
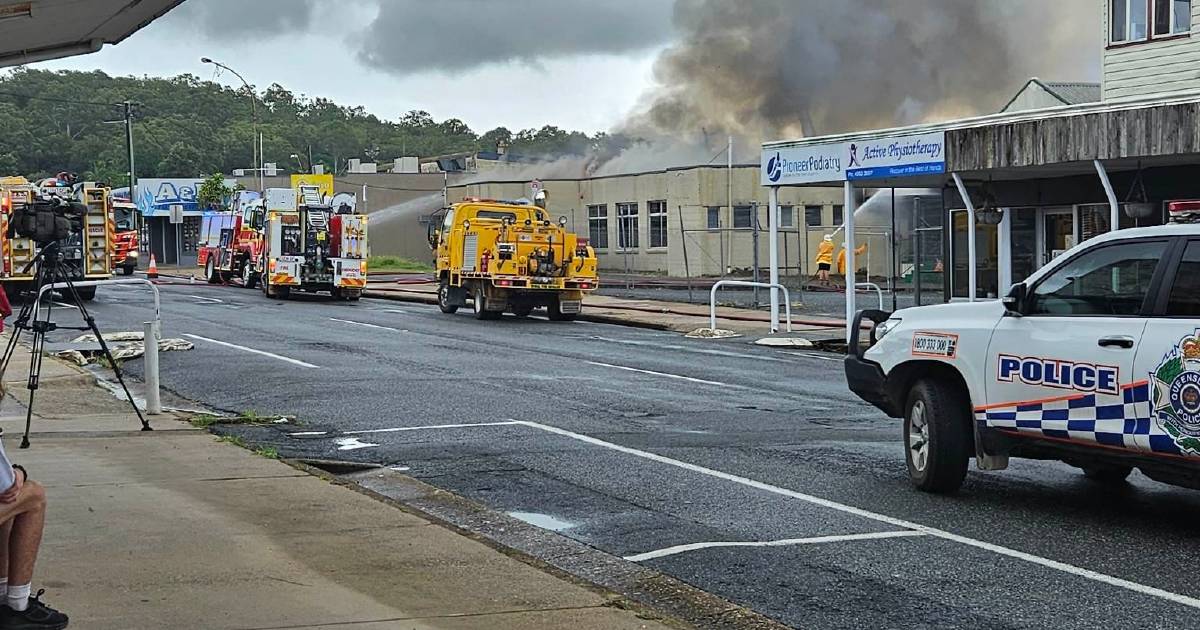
1177, 394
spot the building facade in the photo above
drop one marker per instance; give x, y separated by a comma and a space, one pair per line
1153, 46
679, 222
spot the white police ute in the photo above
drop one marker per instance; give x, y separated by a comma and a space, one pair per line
1093, 361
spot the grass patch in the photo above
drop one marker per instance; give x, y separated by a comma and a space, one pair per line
393, 264
267, 451
235, 440
207, 420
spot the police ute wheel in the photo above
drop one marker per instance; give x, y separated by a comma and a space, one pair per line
210, 271
1107, 474
937, 436
443, 296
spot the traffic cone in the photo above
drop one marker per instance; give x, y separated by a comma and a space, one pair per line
152, 272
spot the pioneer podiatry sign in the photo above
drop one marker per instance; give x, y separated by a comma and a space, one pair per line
903, 156
804, 165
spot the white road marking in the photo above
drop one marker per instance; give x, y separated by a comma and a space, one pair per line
678, 549
308, 433
364, 324
352, 444
253, 351
716, 353
813, 355
663, 374
896, 522
63, 305
206, 299
436, 426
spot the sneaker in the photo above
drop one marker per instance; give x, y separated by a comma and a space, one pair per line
38, 616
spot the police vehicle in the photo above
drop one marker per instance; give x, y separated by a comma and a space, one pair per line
1093, 361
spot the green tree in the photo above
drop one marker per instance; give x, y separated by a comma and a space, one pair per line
213, 192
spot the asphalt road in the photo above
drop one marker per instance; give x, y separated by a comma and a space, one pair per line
642, 443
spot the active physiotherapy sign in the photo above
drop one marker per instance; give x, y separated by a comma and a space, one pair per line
871, 158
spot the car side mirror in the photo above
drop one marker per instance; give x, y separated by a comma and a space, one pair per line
1014, 302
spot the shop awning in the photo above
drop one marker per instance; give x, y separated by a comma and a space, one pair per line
38, 30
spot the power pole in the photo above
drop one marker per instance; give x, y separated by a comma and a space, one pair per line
132, 166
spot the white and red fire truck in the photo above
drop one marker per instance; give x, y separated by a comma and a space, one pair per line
310, 246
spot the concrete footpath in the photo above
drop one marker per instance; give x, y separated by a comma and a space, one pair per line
175, 529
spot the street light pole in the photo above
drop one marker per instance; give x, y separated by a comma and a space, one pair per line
253, 113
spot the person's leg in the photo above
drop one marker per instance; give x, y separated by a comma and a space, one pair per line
26, 536
5, 532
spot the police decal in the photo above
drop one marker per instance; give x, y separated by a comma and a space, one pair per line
1176, 387
1076, 375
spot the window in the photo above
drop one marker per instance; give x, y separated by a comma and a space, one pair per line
598, 226
787, 217
657, 210
838, 216
1185, 292
1109, 280
813, 216
1129, 20
627, 225
743, 217
714, 217
1172, 17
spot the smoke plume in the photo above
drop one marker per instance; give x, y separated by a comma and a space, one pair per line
413, 36
769, 69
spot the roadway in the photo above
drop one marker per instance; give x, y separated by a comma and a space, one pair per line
664, 450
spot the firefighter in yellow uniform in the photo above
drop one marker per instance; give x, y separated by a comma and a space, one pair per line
858, 251
825, 258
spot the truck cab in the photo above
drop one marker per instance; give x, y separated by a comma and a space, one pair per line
510, 256
1093, 361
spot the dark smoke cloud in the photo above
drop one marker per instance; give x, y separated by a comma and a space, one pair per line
412, 36
777, 68
226, 20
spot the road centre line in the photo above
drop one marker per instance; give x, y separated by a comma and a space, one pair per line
717, 353
678, 549
934, 532
364, 324
819, 357
663, 374
253, 351
434, 427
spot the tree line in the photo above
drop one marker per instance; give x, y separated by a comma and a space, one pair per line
188, 127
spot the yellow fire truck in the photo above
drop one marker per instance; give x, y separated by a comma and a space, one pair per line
312, 247
86, 251
510, 256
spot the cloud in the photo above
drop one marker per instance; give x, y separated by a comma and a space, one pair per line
414, 36
230, 20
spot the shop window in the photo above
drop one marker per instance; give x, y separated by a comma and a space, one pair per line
743, 217
813, 216
657, 211
787, 216
714, 217
598, 226
627, 225
839, 216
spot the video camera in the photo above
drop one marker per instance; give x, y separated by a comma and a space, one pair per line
47, 219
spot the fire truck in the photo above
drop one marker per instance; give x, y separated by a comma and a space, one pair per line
310, 246
509, 256
86, 251
233, 241
124, 235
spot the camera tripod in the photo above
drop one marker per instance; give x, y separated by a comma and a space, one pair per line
37, 320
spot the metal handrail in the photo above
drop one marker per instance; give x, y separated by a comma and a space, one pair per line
868, 286
712, 299
152, 334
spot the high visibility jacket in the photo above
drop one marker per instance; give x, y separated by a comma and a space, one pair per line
858, 251
825, 253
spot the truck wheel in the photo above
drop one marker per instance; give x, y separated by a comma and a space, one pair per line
87, 294
210, 271
481, 305
556, 313
444, 298
1107, 474
937, 436
128, 270
249, 278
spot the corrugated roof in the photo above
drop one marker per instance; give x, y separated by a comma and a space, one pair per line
1073, 93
